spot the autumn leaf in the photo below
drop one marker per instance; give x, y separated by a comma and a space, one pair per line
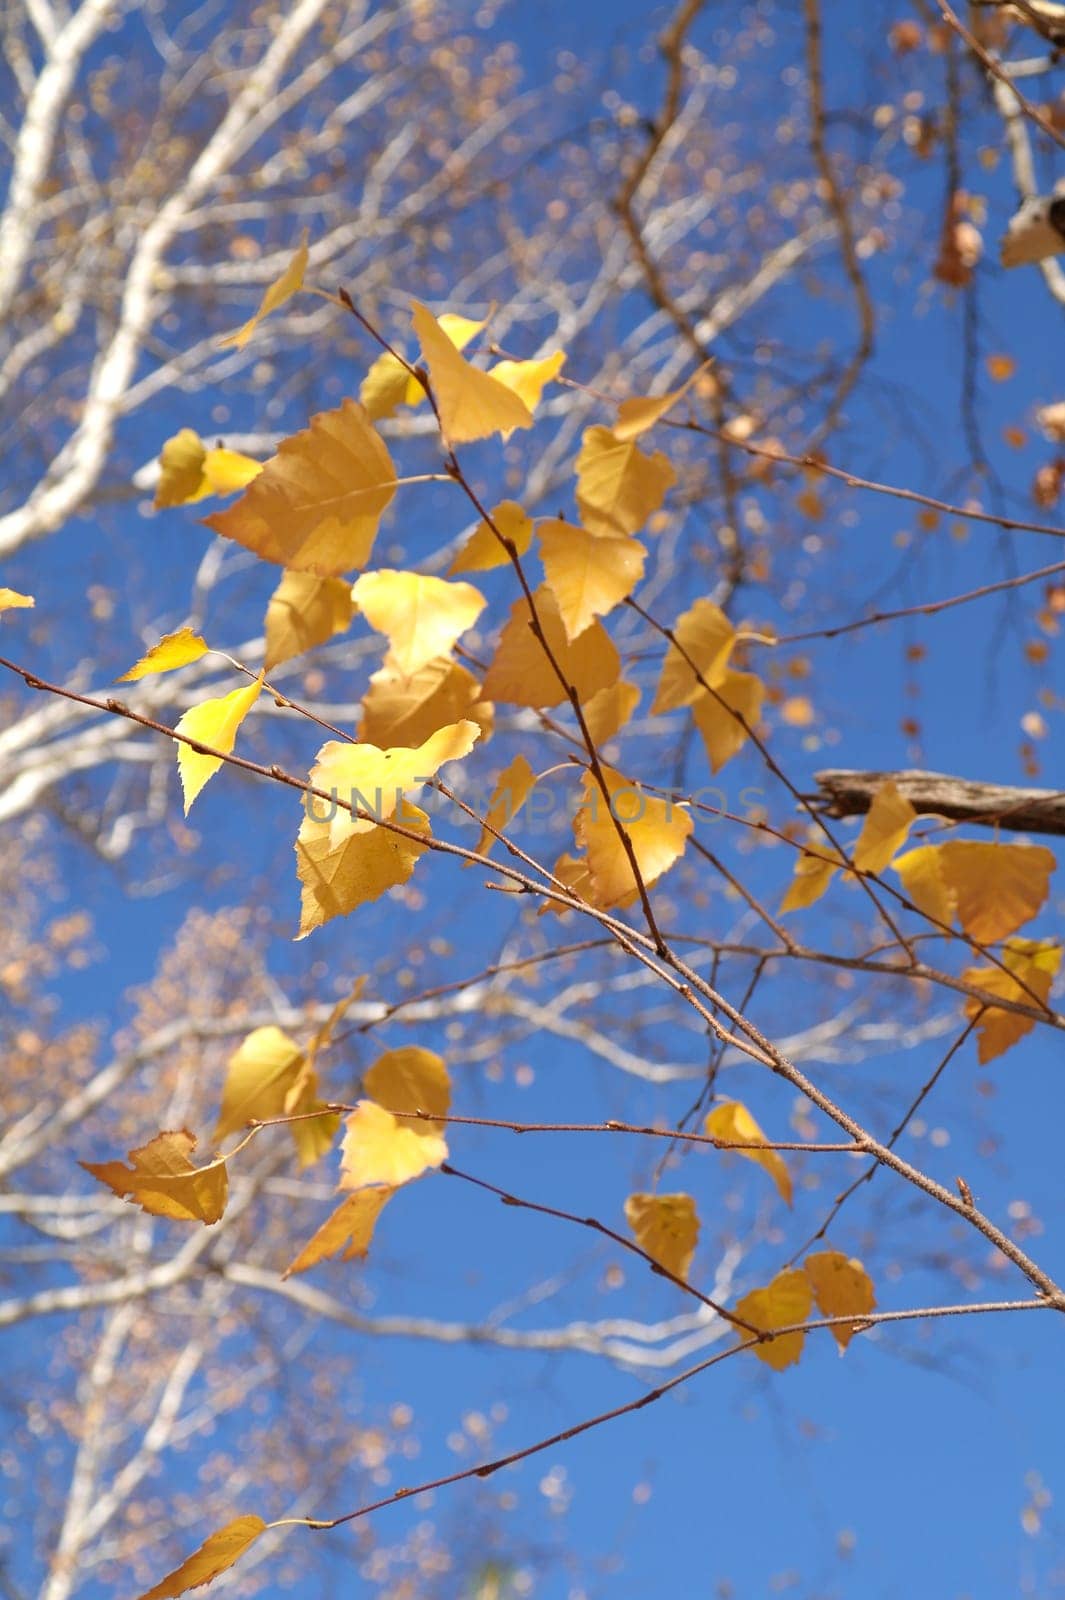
11, 600
1031, 967
472, 404
575, 877
215, 1556
657, 829
279, 291
411, 1079
163, 1181
841, 1287
996, 887
588, 574
216, 723
724, 733
190, 471
528, 379
666, 1227
173, 650
635, 416
814, 871
618, 486
316, 504
923, 881
379, 1149
732, 1122
390, 383
421, 616
607, 712
704, 640
483, 550
885, 829
258, 1078
349, 1228
513, 787
521, 674
304, 611
784, 1302
404, 709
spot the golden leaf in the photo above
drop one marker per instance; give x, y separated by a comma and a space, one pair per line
513, 787
163, 1181
315, 506
618, 487
666, 1226
279, 291
658, 831
483, 550
226, 471
386, 386
784, 1302
607, 712
398, 709
421, 617
173, 650
11, 600
378, 1149
635, 416
181, 477
588, 574
705, 638
574, 874
733, 1122
921, 871
996, 887
350, 1229
258, 1078
340, 869
215, 1556
885, 829
521, 674
215, 723
841, 1287
472, 404
411, 1079
528, 379
722, 733
1032, 966
814, 872
304, 611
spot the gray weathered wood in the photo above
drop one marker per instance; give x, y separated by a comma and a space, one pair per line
850, 794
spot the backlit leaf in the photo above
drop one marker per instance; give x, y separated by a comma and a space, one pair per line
173, 650
722, 733
349, 1229
635, 416
379, 1149
385, 387
304, 611
666, 1226
513, 787
11, 600
215, 723
316, 504
607, 712
258, 1078
279, 291
658, 830
924, 882
162, 1180
705, 638
521, 674
842, 1287
785, 1301
733, 1122
340, 869
402, 709
215, 1556
574, 874
528, 379
618, 486
814, 871
189, 471
885, 829
1032, 966
421, 616
483, 551
996, 887
411, 1079
472, 404
588, 574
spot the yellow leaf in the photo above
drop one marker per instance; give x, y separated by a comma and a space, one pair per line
996, 887
258, 1078
722, 733
226, 471
181, 477
377, 1149
705, 638
483, 551
472, 404
173, 650
813, 874
635, 416
733, 1122
885, 829
574, 875
279, 291
350, 1229
588, 574
385, 387
923, 881
522, 675
304, 611
11, 600
528, 379
312, 1136
315, 506
842, 1287
215, 723
513, 787
411, 1079
1032, 966
666, 1227
618, 487
402, 709
786, 1301
657, 829
163, 1181
422, 617
215, 1556
607, 712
